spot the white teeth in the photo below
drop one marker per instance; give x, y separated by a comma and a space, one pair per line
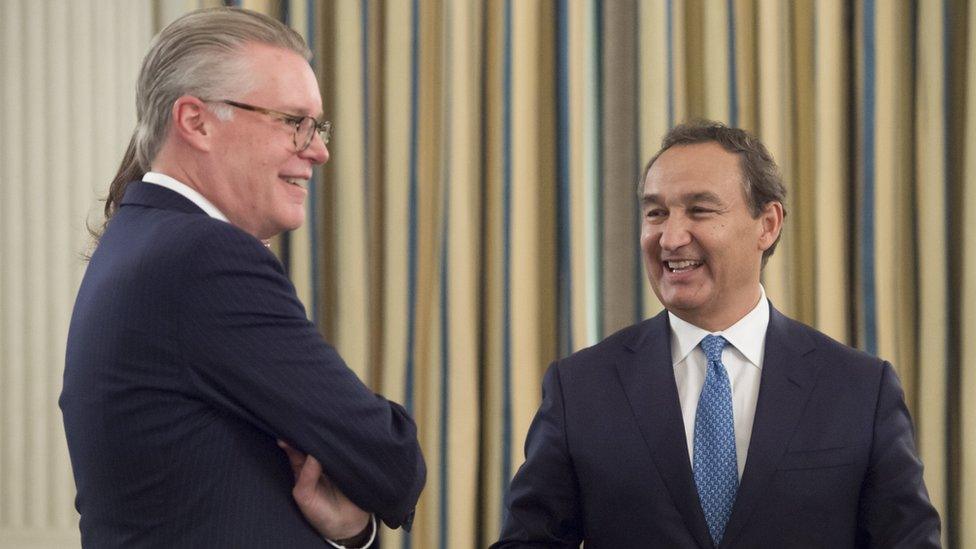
296, 181
682, 265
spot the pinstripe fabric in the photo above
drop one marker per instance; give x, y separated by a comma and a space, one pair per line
189, 354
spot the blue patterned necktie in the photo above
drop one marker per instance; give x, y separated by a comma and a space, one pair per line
716, 472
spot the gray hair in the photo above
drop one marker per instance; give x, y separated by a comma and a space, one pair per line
199, 54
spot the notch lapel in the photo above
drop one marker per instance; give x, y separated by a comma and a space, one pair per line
788, 376
647, 376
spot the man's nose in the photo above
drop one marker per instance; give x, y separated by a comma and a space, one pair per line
317, 152
674, 233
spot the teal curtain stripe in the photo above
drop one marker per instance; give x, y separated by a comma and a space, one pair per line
598, 152
367, 153
733, 69
286, 255
445, 295
638, 271
507, 253
409, 373
953, 335
316, 181
670, 31
412, 205
445, 405
591, 179
564, 275
867, 189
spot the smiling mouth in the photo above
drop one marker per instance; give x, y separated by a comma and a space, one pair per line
683, 265
296, 181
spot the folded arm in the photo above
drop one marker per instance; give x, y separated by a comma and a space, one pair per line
252, 351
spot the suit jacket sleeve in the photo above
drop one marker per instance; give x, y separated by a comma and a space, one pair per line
252, 352
543, 503
894, 507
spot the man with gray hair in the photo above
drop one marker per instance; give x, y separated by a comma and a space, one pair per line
201, 406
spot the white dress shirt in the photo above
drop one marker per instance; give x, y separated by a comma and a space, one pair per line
743, 359
186, 191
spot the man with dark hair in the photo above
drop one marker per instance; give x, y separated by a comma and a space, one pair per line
201, 407
719, 422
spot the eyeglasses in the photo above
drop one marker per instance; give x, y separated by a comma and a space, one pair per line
305, 126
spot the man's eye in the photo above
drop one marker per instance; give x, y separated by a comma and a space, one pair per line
697, 210
655, 213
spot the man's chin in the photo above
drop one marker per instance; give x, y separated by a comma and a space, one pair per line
681, 303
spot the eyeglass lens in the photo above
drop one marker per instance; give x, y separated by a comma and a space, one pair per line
306, 131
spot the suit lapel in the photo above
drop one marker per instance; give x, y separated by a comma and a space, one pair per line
647, 376
788, 376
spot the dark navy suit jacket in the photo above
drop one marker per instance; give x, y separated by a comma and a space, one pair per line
188, 355
831, 462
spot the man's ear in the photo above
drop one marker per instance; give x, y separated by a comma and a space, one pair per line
192, 122
771, 220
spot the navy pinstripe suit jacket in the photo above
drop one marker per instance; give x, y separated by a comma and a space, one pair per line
188, 354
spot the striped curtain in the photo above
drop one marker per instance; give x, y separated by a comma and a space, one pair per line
478, 218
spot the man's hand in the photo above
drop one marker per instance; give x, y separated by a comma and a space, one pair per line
324, 506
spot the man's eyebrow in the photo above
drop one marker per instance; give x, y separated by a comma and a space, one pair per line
704, 196
649, 199
690, 198
298, 112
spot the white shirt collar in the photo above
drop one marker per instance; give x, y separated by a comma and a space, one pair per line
187, 192
748, 335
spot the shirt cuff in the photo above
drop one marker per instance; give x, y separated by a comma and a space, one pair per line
372, 537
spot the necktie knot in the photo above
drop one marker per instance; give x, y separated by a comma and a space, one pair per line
713, 345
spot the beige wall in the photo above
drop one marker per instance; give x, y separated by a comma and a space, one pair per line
67, 79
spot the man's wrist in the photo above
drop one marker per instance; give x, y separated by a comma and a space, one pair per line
361, 540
